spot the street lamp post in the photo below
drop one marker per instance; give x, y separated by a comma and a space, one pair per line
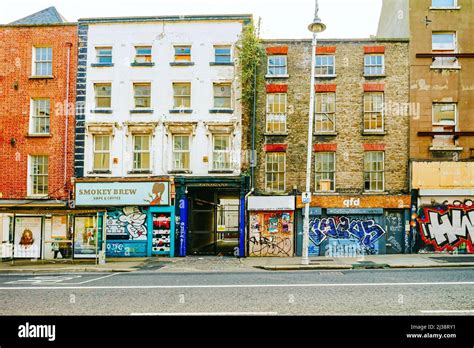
315, 27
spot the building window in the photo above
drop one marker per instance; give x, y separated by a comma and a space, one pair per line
325, 171
222, 95
43, 61
40, 111
325, 117
101, 152
103, 95
444, 114
103, 55
276, 112
277, 66
444, 42
373, 112
142, 95
181, 152
141, 152
325, 65
222, 54
182, 95
39, 175
182, 53
374, 64
221, 152
275, 164
443, 3
374, 171
142, 54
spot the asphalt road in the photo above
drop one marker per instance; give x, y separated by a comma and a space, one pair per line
352, 292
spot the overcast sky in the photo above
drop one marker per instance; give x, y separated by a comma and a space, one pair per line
280, 19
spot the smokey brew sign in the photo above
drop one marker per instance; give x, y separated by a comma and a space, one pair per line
122, 193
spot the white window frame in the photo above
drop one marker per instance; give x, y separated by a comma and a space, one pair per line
34, 117
282, 69
135, 96
278, 172
94, 152
326, 173
325, 66
96, 95
141, 151
45, 62
224, 153
445, 62
369, 172
223, 83
331, 116
454, 5
371, 112
141, 55
175, 153
31, 175
216, 47
278, 118
369, 68
98, 55
441, 123
179, 107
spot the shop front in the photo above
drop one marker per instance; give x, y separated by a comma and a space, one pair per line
271, 226
350, 226
137, 216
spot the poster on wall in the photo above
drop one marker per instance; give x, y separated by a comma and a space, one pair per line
27, 237
271, 233
85, 237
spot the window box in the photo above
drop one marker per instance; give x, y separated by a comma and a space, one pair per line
101, 111
181, 63
181, 111
102, 65
221, 63
142, 64
141, 111
221, 111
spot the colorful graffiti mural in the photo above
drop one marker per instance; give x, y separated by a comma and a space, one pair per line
271, 234
127, 223
447, 228
365, 232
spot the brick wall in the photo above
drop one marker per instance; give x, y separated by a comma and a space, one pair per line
16, 90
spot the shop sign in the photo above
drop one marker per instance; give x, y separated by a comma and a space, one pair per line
122, 193
367, 211
271, 203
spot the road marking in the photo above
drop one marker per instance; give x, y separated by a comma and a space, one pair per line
448, 311
93, 280
230, 286
44, 280
205, 313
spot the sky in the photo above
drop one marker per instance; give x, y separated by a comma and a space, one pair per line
280, 19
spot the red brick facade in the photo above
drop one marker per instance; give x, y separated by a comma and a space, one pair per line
16, 90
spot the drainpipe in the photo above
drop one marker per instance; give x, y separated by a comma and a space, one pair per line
66, 131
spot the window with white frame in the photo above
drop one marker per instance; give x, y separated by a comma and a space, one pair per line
374, 171
142, 95
221, 149
103, 95
277, 65
275, 171
444, 42
182, 53
325, 65
141, 152
444, 114
38, 175
222, 95
374, 64
181, 153
101, 152
325, 112
103, 55
373, 112
222, 54
40, 116
443, 3
276, 112
325, 171
43, 61
182, 95
142, 54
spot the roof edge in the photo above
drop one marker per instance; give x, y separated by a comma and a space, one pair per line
175, 18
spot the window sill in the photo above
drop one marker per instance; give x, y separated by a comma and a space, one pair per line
323, 134
286, 76
39, 135
142, 64
181, 111
40, 77
445, 8
221, 111
375, 76
438, 67
445, 148
102, 65
30, 196
221, 64
374, 133
228, 171
100, 172
369, 193
141, 111
140, 172
269, 134
325, 193
182, 64
325, 76
101, 111
179, 171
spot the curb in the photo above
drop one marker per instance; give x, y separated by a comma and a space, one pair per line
355, 266
64, 270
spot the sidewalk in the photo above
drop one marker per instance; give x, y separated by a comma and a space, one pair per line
230, 264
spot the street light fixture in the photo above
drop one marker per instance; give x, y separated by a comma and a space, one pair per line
315, 27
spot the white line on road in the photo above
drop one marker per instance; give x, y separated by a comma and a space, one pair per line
206, 313
230, 286
447, 311
93, 280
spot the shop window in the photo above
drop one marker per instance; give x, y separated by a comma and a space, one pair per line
141, 152
374, 64
38, 175
373, 112
103, 95
275, 171
142, 54
181, 153
182, 95
221, 152
101, 153
374, 171
444, 42
325, 65
276, 112
277, 66
325, 116
142, 95
103, 55
42, 61
222, 95
40, 116
325, 171
222, 54
85, 237
182, 53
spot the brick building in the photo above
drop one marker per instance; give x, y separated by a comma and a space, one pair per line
37, 81
359, 161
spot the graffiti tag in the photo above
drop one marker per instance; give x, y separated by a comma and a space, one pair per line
272, 245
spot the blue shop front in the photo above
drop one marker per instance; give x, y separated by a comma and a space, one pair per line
135, 218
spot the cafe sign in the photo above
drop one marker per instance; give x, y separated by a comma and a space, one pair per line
122, 193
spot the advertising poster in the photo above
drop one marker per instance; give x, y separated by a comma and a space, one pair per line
85, 237
27, 237
271, 233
